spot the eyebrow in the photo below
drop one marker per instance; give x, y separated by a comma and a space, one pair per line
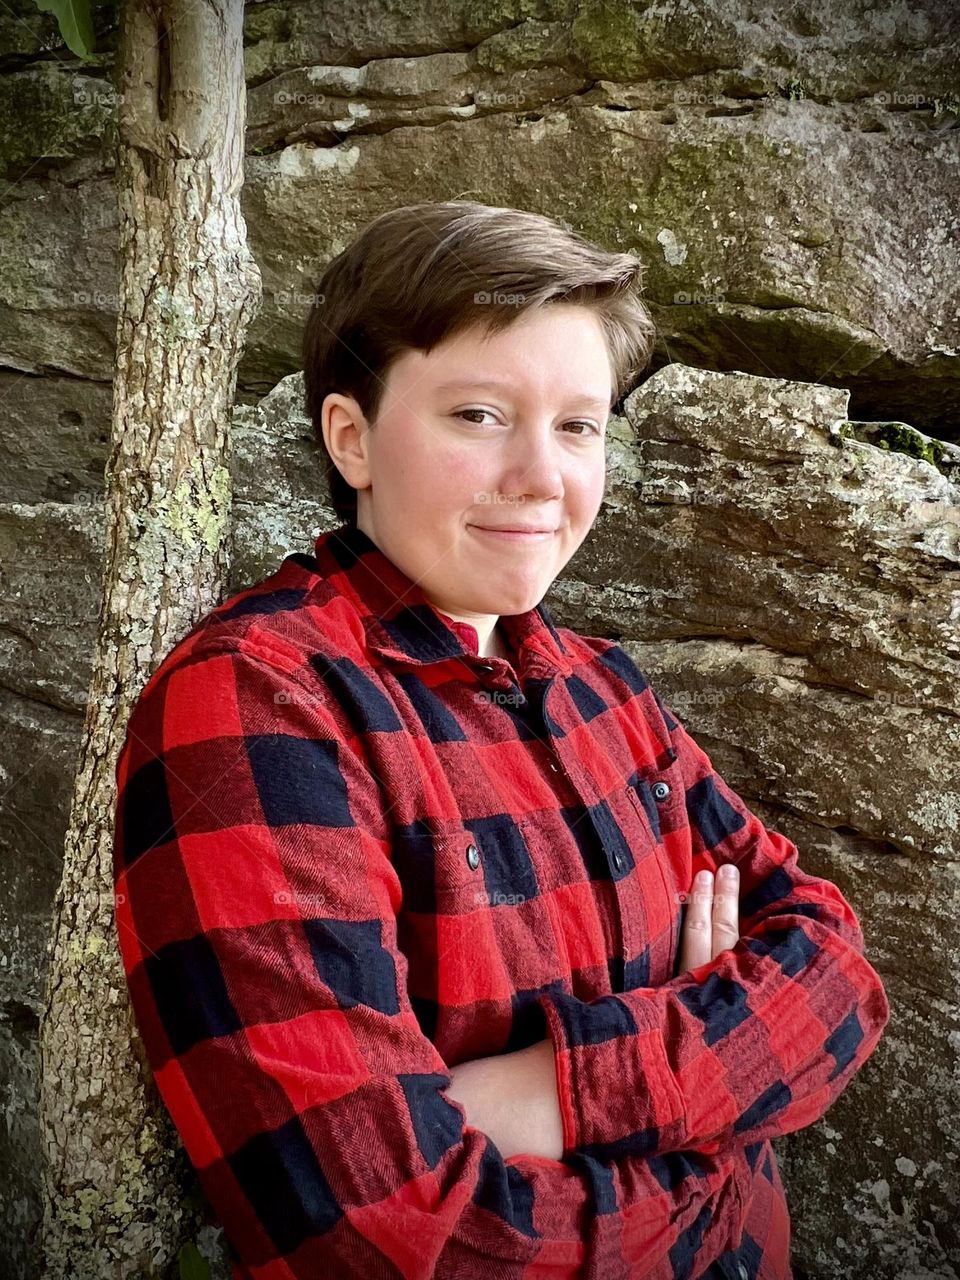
494, 384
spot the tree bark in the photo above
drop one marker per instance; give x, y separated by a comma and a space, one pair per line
117, 1200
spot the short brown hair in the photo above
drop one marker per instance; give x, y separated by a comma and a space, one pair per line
424, 272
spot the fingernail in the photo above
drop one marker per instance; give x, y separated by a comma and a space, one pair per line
728, 870
703, 877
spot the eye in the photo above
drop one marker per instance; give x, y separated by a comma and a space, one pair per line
590, 426
463, 412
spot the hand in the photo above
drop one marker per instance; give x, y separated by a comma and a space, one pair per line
712, 921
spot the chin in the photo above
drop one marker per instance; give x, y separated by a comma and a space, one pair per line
522, 604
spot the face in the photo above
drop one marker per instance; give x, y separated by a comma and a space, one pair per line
449, 458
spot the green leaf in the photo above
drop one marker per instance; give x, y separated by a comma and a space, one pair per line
76, 25
193, 1265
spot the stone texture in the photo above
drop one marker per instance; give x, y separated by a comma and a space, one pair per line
835, 50
799, 272
53, 447
280, 501
58, 258
69, 114
49, 597
50, 564
24, 32
50, 567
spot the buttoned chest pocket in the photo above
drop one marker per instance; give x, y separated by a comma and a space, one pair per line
474, 933
440, 871
660, 798
659, 802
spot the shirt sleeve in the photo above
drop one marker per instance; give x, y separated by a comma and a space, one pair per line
755, 1044
256, 918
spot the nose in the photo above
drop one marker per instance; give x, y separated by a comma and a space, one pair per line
533, 470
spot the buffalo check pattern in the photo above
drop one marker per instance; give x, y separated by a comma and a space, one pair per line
350, 852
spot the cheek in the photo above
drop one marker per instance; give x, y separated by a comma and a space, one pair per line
405, 456
450, 467
586, 484
425, 463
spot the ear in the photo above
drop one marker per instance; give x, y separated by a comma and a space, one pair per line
346, 435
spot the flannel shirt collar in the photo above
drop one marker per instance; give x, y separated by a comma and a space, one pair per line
403, 626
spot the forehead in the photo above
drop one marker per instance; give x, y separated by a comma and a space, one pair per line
555, 351
507, 386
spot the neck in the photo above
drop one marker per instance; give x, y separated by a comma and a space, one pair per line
496, 646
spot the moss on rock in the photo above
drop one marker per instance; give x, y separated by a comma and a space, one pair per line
900, 437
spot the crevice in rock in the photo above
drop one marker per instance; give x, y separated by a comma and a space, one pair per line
19, 1017
49, 703
808, 681
374, 129
52, 371
729, 111
385, 55
725, 637
381, 128
861, 841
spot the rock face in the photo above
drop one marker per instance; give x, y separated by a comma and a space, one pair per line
780, 544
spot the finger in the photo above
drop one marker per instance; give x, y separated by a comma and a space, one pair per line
726, 903
697, 927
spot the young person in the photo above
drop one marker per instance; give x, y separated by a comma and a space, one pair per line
401, 865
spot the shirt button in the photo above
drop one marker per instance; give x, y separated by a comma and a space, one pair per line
473, 857
744, 1273
554, 766
661, 790
485, 666
617, 861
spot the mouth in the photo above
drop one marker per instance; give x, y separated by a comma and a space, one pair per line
516, 535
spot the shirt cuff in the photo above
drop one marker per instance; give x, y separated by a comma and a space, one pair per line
617, 1092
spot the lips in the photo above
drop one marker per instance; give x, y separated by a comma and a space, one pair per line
515, 534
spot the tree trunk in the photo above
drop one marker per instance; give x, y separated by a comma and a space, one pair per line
114, 1170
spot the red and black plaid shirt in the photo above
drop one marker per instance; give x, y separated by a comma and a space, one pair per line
351, 853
